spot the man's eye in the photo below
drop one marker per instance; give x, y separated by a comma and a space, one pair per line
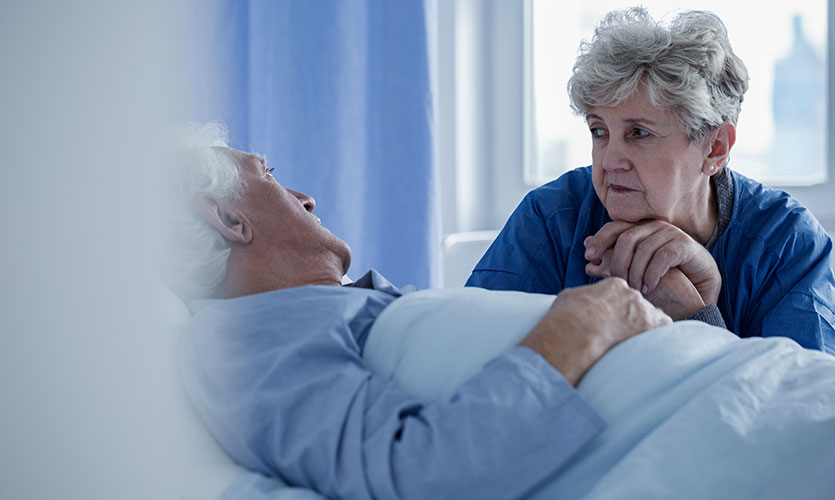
640, 133
597, 132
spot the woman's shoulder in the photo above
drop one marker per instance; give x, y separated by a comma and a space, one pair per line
769, 213
572, 190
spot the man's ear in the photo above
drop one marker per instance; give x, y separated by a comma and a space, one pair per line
721, 142
224, 216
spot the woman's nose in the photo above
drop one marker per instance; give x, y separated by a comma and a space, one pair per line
306, 200
614, 157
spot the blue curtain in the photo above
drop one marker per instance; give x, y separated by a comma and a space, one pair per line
338, 94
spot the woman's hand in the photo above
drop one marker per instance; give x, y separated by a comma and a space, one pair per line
675, 294
643, 252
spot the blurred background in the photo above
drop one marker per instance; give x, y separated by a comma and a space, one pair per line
418, 125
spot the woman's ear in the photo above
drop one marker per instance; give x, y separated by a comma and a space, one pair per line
225, 217
721, 142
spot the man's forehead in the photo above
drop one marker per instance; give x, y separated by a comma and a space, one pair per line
243, 158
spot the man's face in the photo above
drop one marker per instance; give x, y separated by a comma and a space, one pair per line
283, 221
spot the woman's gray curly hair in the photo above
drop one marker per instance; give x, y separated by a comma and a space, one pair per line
687, 67
195, 256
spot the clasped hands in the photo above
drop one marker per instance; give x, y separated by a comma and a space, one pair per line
650, 260
671, 269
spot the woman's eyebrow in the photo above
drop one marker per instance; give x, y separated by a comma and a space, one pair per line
645, 121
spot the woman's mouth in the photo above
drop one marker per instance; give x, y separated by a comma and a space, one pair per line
620, 189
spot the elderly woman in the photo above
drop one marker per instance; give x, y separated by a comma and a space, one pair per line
661, 103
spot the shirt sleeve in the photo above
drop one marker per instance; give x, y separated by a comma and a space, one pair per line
805, 319
523, 256
307, 410
798, 301
710, 315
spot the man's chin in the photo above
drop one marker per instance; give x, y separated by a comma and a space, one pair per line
345, 256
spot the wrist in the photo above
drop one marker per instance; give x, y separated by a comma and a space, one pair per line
571, 359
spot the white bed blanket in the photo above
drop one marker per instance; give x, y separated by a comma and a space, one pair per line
692, 411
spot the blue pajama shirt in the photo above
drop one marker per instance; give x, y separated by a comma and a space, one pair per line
280, 382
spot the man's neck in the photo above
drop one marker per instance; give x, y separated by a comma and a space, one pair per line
246, 276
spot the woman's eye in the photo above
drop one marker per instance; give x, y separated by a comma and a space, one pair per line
640, 133
597, 132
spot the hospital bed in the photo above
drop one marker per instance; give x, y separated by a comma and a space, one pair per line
693, 412
207, 472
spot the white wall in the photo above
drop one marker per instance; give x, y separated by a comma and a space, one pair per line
85, 89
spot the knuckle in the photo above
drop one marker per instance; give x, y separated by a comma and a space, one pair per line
628, 237
617, 282
667, 253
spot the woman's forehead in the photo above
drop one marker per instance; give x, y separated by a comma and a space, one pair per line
636, 108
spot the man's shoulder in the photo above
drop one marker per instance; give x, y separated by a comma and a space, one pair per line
303, 312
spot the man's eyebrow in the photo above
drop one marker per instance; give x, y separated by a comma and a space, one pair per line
261, 159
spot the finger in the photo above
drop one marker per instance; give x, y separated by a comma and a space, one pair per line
662, 318
643, 255
597, 270
624, 249
604, 238
655, 317
612, 285
600, 266
594, 271
667, 256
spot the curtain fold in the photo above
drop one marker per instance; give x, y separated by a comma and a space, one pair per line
339, 95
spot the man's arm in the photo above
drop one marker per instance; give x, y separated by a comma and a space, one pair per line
288, 398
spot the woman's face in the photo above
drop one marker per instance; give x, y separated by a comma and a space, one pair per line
643, 165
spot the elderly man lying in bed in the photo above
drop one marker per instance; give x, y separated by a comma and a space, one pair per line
370, 391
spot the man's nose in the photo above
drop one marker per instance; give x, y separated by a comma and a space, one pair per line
306, 200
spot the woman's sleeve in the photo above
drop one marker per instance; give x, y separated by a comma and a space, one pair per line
523, 257
805, 307
804, 318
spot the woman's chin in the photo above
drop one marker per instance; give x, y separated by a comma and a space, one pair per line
627, 215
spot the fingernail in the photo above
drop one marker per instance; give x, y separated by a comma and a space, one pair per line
644, 289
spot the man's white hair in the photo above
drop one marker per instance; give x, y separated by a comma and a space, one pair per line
196, 255
687, 67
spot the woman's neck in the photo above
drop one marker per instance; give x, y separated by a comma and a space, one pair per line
702, 223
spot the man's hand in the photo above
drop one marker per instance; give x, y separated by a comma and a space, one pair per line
643, 252
585, 322
675, 294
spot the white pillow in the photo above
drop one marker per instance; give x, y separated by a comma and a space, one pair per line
200, 469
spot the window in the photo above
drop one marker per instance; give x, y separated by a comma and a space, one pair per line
782, 129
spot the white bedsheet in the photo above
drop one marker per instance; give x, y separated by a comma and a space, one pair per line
693, 411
